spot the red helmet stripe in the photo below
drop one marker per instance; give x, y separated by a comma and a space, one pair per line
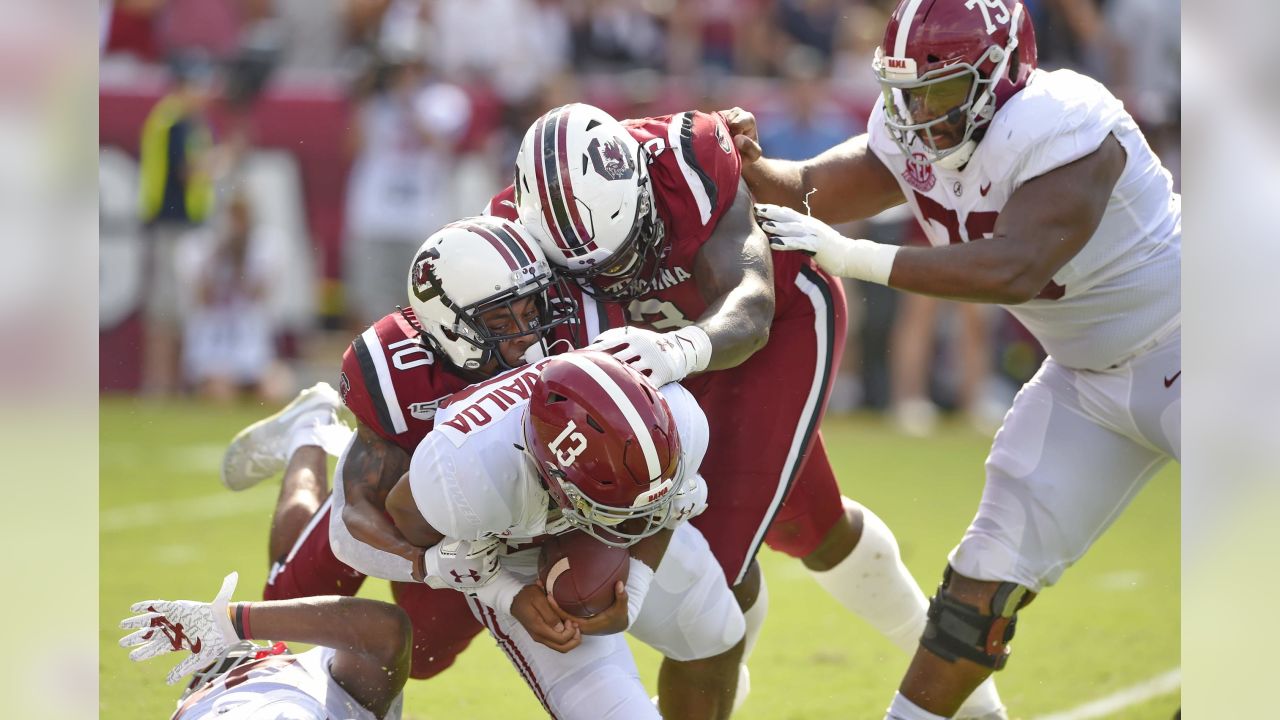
530, 258
566, 179
544, 192
497, 244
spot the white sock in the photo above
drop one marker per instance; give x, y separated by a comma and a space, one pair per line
755, 621
320, 429
873, 584
903, 709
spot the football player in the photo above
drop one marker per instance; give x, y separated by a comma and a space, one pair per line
652, 215
1038, 192
357, 671
579, 441
494, 300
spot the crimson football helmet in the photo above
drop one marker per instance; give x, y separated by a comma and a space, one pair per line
927, 43
582, 187
606, 446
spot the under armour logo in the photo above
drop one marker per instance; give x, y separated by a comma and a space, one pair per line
174, 633
471, 574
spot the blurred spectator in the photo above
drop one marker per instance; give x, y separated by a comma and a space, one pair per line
1146, 70
619, 35
229, 341
810, 121
405, 135
176, 193
513, 45
130, 28
211, 26
812, 23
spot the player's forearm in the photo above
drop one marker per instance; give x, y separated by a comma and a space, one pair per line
369, 524
780, 182
738, 325
975, 272
358, 625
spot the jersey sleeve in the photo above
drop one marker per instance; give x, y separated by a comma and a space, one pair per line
708, 161
368, 405
455, 492
503, 204
1065, 117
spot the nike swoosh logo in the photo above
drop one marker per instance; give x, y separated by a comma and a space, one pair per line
195, 646
1168, 382
983, 190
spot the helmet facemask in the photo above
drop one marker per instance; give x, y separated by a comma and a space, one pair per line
898, 79
632, 270
468, 342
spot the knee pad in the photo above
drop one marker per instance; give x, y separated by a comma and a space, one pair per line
981, 635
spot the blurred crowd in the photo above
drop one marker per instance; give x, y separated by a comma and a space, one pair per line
437, 95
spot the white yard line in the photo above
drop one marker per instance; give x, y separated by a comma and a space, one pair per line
1162, 684
207, 507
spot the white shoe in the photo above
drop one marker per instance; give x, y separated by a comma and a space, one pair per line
916, 417
260, 450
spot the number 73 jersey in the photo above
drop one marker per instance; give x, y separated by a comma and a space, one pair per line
1122, 289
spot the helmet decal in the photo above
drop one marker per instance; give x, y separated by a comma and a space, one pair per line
610, 160
425, 286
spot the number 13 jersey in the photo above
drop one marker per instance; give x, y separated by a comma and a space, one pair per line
1121, 290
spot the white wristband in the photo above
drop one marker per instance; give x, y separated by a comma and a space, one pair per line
639, 576
499, 592
863, 260
696, 345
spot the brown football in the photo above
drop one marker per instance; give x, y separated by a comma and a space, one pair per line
580, 572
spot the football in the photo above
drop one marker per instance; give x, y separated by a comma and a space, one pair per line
580, 572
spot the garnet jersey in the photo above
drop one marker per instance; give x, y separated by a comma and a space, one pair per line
696, 173
394, 383
1122, 289
472, 479
279, 686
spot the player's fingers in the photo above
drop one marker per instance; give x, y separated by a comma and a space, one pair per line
138, 621
769, 211
184, 668
550, 614
747, 148
136, 637
147, 651
561, 616
778, 228
146, 606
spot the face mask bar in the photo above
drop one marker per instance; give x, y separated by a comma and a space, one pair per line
615, 526
553, 311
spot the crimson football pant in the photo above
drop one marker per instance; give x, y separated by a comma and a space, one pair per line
443, 625
767, 472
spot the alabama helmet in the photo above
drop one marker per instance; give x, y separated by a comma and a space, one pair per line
929, 42
606, 446
582, 187
470, 267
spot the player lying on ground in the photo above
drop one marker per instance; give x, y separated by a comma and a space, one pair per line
1038, 192
651, 215
581, 442
497, 300
357, 671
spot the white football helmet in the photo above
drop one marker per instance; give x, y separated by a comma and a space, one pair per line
582, 188
470, 267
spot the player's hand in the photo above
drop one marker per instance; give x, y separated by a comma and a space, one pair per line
203, 629
742, 126
607, 622
533, 610
661, 357
791, 230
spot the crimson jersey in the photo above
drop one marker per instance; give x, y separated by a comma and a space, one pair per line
394, 383
696, 172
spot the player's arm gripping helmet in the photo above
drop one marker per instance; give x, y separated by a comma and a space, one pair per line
606, 446
582, 187
930, 42
475, 265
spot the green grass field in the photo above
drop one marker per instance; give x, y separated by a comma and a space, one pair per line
169, 530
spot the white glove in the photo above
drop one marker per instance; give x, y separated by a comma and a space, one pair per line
835, 253
688, 503
176, 625
661, 357
461, 564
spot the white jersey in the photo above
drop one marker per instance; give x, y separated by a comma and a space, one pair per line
1122, 290
278, 687
472, 479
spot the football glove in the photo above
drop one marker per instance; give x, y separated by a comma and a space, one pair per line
660, 357
835, 253
203, 629
461, 564
688, 503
